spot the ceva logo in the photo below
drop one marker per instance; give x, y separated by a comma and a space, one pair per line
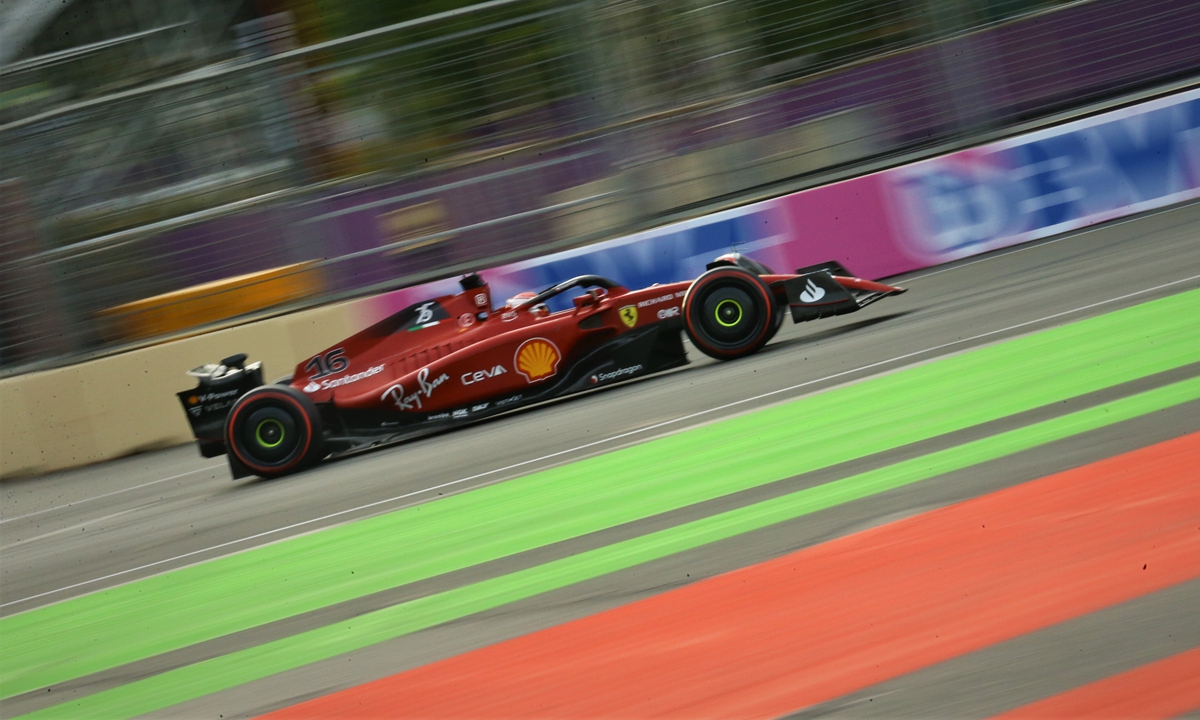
471, 378
537, 359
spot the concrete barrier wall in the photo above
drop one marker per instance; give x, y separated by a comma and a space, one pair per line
906, 218
123, 404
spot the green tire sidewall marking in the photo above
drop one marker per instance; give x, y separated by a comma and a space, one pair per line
723, 303
258, 433
193, 681
158, 614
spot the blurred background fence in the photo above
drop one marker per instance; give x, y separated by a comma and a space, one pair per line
165, 166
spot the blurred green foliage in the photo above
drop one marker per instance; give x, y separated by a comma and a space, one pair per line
435, 88
347, 17
795, 36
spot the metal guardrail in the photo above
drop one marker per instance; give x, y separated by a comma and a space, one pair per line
509, 128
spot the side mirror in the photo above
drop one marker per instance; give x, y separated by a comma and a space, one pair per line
591, 297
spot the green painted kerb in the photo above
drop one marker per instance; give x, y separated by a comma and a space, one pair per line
193, 681
152, 616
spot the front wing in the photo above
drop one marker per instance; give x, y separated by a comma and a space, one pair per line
820, 294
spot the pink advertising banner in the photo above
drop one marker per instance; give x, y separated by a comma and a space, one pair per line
849, 222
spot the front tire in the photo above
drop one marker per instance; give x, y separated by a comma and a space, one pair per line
780, 316
274, 430
729, 313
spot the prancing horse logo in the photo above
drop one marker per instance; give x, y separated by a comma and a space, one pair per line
628, 315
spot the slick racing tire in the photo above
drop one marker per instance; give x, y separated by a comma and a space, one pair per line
274, 430
780, 307
777, 322
728, 312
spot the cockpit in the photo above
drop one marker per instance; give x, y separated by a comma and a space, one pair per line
539, 304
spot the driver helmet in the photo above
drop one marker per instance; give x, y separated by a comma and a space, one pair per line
518, 300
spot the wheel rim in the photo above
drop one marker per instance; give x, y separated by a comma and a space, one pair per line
728, 313
270, 433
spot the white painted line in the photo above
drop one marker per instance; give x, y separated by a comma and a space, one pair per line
110, 494
585, 446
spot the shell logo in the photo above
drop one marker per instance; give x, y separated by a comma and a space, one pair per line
537, 359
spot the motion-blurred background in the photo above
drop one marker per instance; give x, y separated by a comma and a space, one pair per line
169, 165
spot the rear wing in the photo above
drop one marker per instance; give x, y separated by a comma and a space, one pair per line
218, 388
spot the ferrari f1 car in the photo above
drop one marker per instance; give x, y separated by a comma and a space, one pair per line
454, 360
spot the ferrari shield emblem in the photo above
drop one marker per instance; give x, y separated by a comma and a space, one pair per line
628, 315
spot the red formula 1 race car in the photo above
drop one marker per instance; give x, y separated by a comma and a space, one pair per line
454, 359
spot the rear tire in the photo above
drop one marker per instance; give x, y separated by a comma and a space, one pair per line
729, 313
274, 430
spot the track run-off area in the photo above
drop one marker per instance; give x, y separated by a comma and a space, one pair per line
982, 497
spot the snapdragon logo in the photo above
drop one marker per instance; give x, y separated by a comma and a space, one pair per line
338, 382
616, 374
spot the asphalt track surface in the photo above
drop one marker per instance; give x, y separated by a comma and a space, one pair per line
76, 532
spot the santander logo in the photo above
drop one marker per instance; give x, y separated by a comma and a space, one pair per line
812, 292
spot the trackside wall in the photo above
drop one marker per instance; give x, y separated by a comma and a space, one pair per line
123, 404
1005, 193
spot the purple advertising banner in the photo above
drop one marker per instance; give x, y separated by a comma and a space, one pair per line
666, 254
935, 211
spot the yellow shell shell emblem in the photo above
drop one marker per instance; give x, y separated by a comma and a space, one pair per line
537, 359
628, 315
